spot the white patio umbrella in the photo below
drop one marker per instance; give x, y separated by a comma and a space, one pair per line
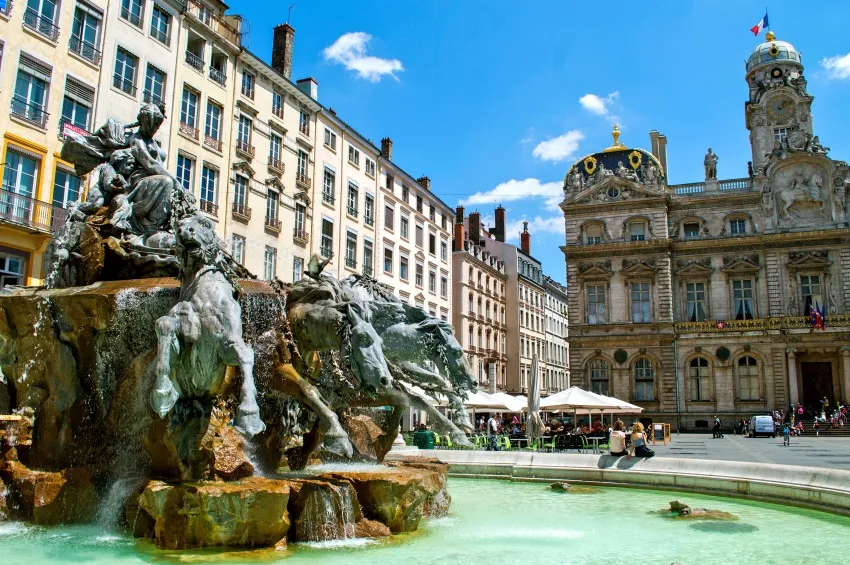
575, 398
518, 402
484, 401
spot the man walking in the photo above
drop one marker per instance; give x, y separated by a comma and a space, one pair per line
717, 424
786, 435
492, 432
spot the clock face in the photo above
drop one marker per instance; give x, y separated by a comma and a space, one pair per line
780, 107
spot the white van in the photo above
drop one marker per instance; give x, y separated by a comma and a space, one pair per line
762, 426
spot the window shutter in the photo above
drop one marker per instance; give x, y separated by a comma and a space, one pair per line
36, 67
79, 91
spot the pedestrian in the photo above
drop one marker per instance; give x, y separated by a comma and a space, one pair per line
717, 432
786, 435
817, 428
492, 434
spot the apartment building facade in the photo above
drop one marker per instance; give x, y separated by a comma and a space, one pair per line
557, 373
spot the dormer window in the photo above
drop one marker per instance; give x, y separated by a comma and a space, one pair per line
637, 231
593, 234
691, 230
737, 226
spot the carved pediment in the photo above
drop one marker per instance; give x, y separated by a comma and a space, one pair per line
613, 189
303, 197
274, 182
243, 167
599, 269
639, 267
816, 260
694, 267
741, 264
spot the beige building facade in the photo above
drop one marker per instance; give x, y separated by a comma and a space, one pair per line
557, 373
707, 298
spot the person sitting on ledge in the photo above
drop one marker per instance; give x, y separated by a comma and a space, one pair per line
639, 447
618, 439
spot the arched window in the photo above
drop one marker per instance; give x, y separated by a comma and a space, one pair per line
644, 374
699, 379
470, 274
471, 309
599, 379
748, 378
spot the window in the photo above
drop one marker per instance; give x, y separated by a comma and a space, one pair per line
742, 293
131, 10
596, 304
599, 379
444, 287
471, 304
444, 251
213, 126
160, 25
390, 183
209, 186
644, 380
388, 260
747, 370
780, 134
304, 123
270, 263
351, 250
420, 235
432, 282
641, 308
154, 86
237, 248
85, 33
389, 219
695, 301
11, 269
419, 203
327, 244
352, 199
272, 207
420, 274
189, 108
275, 144
243, 133
185, 166
328, 182
699, 380
403, 265
66, 188
810, 286
330, 139
297, 269
248, 80
126, 67
77, 104
737, 226
20, 176
593, 234
637, 231
369, 210
300, 217
432, 213
405, 193
31, 87
370, 167
277, 104
691, 230
443, 221
405, 227
432, 244
301, 166
240, 194
367, 257
353, 156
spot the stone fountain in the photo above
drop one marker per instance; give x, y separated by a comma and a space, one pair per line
155, 379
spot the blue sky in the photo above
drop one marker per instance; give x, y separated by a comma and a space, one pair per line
494, 100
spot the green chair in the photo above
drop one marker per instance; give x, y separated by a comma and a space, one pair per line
534, 445
449, 444
584, 444
604, 446
438, 441
552, 445
505, 443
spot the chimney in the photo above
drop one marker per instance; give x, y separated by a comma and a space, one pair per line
309, 86
525, 239
658, 145
459, 215
387, 148
475, 227
425, 182
460, 236
284, 39
500, 224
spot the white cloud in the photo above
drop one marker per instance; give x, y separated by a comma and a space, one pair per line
600, 106
559, 148
538, 225
513, 190
350, 50
838, 66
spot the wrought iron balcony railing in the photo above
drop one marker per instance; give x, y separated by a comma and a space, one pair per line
38, 23
245, 149
25, 211
123, 84
188, 130
241, 212
275, 164
194, 61
31, 113
218, 76
209, 207
85, 50
352, 211
273, 224
248, 91
135, 19
212, 143
758, 324
302, 179
300, 236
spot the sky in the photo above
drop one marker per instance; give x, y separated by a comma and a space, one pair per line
495, 100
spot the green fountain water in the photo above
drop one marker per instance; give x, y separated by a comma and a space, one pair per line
503, 523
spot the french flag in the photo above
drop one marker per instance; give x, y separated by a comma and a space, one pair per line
759, 27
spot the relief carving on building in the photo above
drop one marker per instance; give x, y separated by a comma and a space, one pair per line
595, 269
691, 267
750, 259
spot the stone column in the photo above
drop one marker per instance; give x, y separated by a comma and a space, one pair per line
845, 369
793, 393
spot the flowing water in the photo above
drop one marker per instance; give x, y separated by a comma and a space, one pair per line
496, 523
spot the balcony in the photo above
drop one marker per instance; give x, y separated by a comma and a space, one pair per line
244, 149
135, 19
778, 323
351, 262
352, 211
161, 36
328, 198
278, 111
241, 212
194, 61
276, 165
212, 143
85, 50
124, 85
31, 113
209, 207
302, 180
218, 76
189, 131
214, 22
31, 213
369, 220
304, 128
301, 236
148, 96
367, 269
736, 184
248, 91
273, 225
39, 24
66, 128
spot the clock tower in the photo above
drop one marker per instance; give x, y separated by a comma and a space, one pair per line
778, 111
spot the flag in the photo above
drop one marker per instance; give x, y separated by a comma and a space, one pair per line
821, 318
759, 27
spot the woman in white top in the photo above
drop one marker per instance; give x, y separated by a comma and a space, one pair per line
617, 440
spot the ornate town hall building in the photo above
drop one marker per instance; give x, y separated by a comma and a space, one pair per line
699, 299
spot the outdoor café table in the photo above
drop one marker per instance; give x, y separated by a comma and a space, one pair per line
519, 441
595, 441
